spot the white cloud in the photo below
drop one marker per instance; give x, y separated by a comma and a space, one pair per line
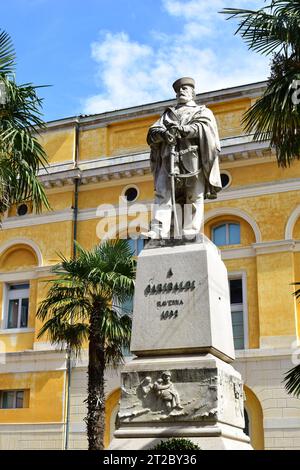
131, 73
193, 9
202, 10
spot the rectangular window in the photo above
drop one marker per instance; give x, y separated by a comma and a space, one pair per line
18, 306
10, 399
237, 312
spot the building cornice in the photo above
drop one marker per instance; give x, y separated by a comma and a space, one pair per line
236, 151
251, 90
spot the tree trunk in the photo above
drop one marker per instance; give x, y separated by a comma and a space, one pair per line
95, 419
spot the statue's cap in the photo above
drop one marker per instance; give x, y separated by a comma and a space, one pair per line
166, 372
183, 81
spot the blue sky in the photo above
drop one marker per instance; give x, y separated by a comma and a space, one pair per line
101, 55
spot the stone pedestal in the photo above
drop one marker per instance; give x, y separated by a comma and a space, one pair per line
181, 302
182, 383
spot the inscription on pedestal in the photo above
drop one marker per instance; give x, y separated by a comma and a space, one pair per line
169, 288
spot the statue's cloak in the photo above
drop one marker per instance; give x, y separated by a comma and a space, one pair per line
200, 151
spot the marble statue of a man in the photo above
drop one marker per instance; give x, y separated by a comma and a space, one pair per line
184, 161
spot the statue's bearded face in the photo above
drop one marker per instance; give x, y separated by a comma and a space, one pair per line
185, 94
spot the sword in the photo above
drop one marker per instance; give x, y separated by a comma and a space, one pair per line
173, 188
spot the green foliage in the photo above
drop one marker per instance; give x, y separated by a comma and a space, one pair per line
82, 306
274, 30
7, 54
21, 155
292, 381
176, 445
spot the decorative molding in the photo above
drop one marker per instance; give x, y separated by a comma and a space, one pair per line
15, 331
260, 189
24, 275
276, 246
30, 220
235, 150
238, 213
237, 253
23, 241
289, 228
33, 361
54, 168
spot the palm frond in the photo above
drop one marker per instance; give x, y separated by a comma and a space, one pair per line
66, 301
65, 334
292, 381
273, 28
21, 154
84, 289
274, 117
116, 329
7, 54
297, 291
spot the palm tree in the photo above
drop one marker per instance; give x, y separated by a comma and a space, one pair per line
292, 377
21, 155
275, 30
82, 306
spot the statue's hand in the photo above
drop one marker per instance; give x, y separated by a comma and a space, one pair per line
180, 131
169, 137
184, 131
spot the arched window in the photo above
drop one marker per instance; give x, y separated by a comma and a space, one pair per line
226, 234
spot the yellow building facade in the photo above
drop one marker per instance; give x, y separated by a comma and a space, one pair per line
98, 160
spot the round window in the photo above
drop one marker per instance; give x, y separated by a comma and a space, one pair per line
131, 194
225, 180
22, 209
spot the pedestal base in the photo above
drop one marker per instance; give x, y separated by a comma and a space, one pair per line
215, 438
